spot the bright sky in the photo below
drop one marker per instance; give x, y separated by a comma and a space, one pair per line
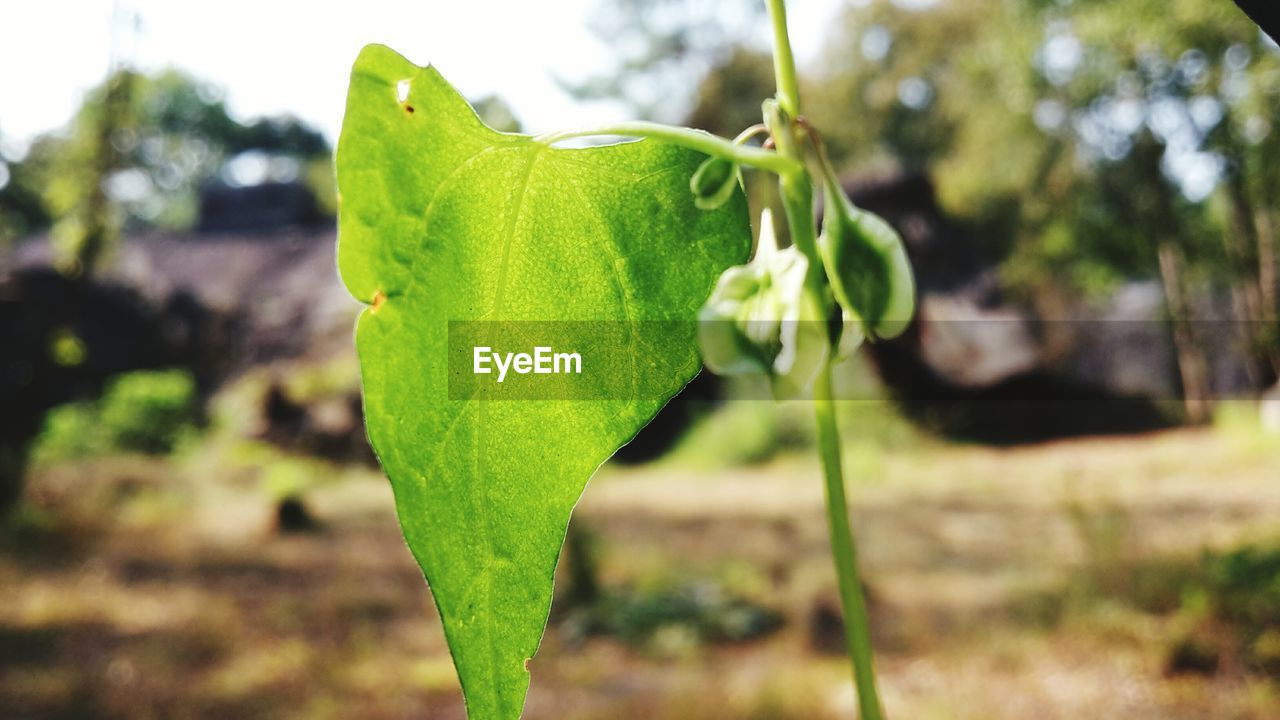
277, 56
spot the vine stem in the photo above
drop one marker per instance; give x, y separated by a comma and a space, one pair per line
699, 140
784, 64
856, 624
797, 198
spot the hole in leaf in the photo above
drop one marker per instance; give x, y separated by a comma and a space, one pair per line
402, 91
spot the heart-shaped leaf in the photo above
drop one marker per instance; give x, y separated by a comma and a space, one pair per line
444, 220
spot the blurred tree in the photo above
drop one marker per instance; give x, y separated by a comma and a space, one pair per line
1095, 140
888, 88
662, 48
1086, 143
1177, 85
77, 192
1249, 143
140, 147
497, 114
22, 210
729, 95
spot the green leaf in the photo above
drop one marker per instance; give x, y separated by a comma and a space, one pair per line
442, 219
713, 182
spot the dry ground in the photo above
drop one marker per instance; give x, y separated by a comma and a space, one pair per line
156, 588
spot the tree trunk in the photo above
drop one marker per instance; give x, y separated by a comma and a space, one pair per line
1243, 243
1191, 363
1156, 204
1264, 221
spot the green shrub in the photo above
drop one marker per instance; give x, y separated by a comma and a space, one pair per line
148, 411
70, 431
1224, 600
145, 412
1243, 586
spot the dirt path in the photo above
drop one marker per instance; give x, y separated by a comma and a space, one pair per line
184, 603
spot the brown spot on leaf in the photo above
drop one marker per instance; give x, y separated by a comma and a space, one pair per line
379, 298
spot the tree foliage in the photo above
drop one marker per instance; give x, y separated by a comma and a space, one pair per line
1033, 115
140, 148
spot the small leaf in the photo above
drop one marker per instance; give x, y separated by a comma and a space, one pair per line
713, 183
866, 265
443, 219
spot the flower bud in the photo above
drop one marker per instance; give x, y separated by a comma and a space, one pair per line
759, 320
867, 266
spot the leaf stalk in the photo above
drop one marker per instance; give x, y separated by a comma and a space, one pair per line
699, 140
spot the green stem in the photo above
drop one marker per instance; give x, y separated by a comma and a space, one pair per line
754, 130
699, 140
797, 195
784, 63
797, 198
856, 625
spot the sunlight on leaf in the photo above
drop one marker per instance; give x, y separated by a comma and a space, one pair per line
443, 219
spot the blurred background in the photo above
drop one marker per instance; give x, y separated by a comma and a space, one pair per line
1065, 477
